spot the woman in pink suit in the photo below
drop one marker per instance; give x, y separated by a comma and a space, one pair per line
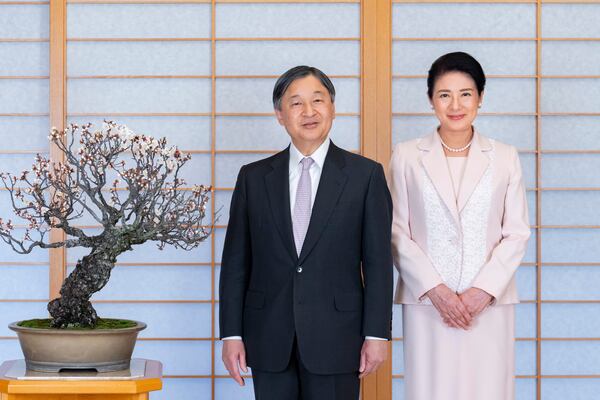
459, 233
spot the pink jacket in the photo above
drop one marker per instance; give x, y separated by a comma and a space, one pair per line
475, 239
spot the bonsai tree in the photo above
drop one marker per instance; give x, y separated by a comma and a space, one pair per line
128, 183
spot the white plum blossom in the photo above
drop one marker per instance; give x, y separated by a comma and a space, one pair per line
52, 193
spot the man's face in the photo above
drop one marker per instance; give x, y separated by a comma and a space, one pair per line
307, 112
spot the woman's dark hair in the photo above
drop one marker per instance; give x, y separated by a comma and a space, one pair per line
460, 62
298, 72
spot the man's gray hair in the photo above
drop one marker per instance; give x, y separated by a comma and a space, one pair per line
298, 72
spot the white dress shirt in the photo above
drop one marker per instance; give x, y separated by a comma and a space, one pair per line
315, 170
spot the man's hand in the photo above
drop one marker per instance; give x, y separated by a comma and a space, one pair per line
449, 305
373, 353
234, 353
475, 300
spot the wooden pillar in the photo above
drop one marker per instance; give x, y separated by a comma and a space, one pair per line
58, 44
376, 132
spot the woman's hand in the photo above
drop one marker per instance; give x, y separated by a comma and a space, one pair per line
449, 305
475, 300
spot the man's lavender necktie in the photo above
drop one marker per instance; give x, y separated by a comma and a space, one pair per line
302, 206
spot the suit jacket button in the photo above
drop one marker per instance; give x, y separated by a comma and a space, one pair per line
299, 270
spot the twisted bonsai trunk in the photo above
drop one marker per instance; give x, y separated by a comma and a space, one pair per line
91, 273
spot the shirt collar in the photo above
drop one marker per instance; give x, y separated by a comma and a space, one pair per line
318, 155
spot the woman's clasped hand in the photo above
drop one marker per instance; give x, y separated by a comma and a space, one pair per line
458, 310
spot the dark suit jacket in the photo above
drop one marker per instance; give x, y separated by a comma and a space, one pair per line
269, 295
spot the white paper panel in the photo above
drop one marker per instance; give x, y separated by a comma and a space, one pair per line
24, 281
228, 166
223, 202
531, 206
525, 352
570, 208
177, 357
528, 167
274, 57
570, 245
525, 319
282, 20
501, 95
138, 20
398, 389
139, 95
570, 320
219, 242
251, 133
570, 170
496, 58
255, 95
570, 388
463, 20
571, 58
24, 21
570, 358
570, 95
397, 357
570, 20
20, 133
10, 349
184, 389
24, 96
217, 327
571, 133
21, 59
138, 58
526, 278
397, 321
571, 283
525, 389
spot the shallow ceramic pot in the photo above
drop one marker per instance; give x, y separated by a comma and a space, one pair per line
50, 350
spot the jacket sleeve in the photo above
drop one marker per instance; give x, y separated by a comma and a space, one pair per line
506, 257
415, 267
377, 258
235, 264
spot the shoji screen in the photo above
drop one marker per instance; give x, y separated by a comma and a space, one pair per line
570, 197
202, 74
542, 65
24, 127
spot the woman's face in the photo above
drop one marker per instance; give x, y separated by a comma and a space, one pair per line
455, 101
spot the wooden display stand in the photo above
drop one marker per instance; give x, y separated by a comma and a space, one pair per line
16, 383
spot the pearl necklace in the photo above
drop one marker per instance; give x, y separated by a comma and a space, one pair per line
455, 150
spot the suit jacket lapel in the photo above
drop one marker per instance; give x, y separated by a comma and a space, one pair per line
434, 162
277, 185
477, 163
331, 185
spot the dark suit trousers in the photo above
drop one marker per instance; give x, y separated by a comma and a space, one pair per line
297, 383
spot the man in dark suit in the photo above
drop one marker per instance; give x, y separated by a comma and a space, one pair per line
306, 274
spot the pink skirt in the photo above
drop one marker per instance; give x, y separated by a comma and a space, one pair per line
442, 363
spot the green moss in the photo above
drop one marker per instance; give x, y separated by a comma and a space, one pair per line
103, 323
